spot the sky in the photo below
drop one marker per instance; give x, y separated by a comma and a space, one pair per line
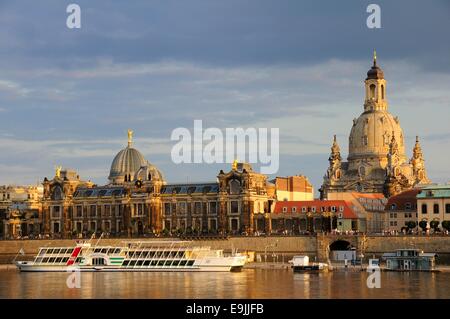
68, 96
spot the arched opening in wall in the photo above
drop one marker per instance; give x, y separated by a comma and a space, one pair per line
341, 250
372, 91
382, 92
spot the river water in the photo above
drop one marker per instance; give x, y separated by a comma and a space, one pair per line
249, 283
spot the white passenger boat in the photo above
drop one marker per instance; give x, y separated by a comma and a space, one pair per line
133, 256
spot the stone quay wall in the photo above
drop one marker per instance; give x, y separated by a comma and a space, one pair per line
290, 245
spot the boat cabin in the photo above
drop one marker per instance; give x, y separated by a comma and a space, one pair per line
409, 259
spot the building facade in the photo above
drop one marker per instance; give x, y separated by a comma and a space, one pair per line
138, 201
401, 209
293, 188
316, 216
433, 204
20, 211
376, 161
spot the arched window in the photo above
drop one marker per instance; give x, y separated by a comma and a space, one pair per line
436, 209
149, 176
424, 209
362, 171
382, 92
235, 187
372, 91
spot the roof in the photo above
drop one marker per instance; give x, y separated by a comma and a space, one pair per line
316, 206
400, 200
99, 192
436, 191
186, 189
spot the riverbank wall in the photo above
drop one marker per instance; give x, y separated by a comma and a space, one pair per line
265, 247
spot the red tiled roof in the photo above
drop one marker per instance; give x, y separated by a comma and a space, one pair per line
401, 199
348, 213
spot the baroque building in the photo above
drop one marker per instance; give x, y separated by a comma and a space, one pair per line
376, 161
138, 201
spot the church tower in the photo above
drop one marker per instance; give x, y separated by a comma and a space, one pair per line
376, 155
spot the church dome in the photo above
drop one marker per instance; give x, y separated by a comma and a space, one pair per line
371, 135
127, 161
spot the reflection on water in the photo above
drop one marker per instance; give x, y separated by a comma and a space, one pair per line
246, 284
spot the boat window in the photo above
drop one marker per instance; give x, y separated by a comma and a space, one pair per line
161, 263
42, 252
154, 262
173, 254
190, 262
125, 263
117, 251
97, 250
65, 259
50, 251
79, 260
168, 263
52, 260
104, 250
183, 263
175, 263
45, 260
58, 260
147, 262
180, 254
132, 263
139, 263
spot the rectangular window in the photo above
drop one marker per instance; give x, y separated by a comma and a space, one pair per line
333, 209
303, 209
294, 209
235, 207
182, 207
213, 208
167, 210
79, 211
107, 211
313, 209
447, 208
197, 208
93, 210
284, 209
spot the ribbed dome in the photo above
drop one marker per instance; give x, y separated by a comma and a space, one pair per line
371, 134
127, 161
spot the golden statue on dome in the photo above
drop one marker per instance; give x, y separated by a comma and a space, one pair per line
235, 164
130, 137
58, 171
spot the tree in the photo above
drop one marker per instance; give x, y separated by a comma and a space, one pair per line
434, 224
423, 225
411, 225
446, 224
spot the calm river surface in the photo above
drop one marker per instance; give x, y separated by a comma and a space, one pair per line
250, 283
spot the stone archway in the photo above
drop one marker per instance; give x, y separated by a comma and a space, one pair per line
340, 244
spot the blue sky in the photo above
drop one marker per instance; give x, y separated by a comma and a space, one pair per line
67, 97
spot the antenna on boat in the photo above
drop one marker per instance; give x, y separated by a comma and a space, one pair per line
101, 235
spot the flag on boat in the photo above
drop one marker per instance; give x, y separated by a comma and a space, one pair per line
21, 251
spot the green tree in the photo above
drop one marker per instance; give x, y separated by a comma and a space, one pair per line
423, 225
434, 224
446, 224
411, 225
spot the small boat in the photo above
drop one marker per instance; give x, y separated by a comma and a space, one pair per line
410, 260
133, 256
302, 264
